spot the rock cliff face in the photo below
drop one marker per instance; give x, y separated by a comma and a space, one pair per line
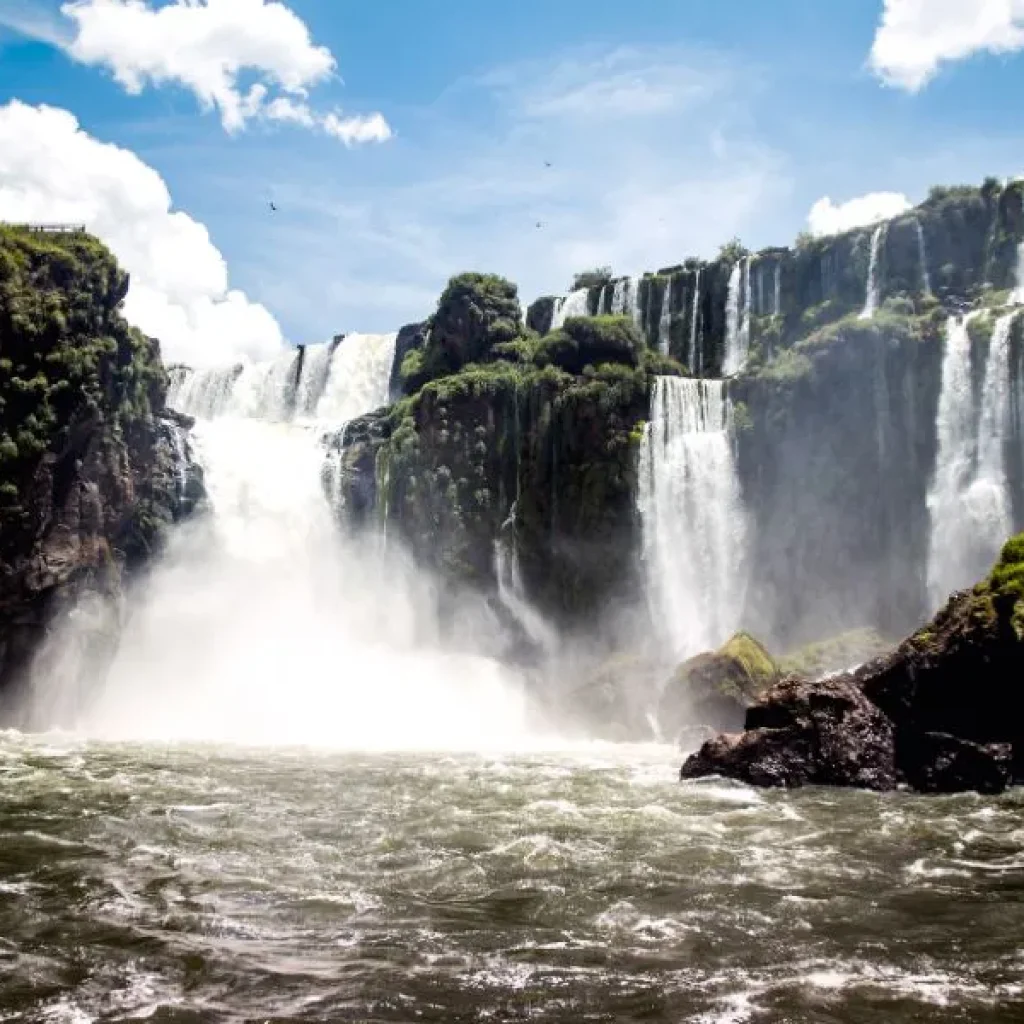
92, 466
505, 438
941, 713
528, 432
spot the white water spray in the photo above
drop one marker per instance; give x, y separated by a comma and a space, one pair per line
1018, 292
263, 624
873, 296
359, 376
665, 321
692, 513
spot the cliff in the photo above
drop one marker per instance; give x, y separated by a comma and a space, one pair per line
506, 438
92, 466
941, 713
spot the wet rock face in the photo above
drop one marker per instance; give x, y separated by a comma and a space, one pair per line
802, 733
93, 467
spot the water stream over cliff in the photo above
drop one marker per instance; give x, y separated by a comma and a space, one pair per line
969, 502
737, 316
872, 298
691, 509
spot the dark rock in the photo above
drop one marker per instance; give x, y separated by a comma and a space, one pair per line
805, 733
411, 338
935, 762
942, 712
540, 314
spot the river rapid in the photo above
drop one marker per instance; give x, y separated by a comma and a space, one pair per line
223, 883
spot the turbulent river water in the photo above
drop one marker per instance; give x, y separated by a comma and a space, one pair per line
203, 883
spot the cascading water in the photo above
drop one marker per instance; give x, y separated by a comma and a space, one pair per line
574, 304
359, 377
1018, 292
691, 509
263, 623
737, 320
665, 320
968, 502
694, 362
922, 252
873, 296
777, 307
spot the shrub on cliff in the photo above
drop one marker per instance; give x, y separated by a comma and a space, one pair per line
596, 278
590, 341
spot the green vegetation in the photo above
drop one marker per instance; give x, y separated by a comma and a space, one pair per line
733, 251
596, 278
68, 358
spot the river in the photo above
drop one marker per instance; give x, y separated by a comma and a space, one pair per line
191, 883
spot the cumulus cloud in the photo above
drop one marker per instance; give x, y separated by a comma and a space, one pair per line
206, 46
51, 170
828, 218
916, 36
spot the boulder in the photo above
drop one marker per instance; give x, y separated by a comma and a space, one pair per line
715, 688
805, 733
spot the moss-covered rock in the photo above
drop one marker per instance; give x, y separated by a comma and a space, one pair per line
715, 689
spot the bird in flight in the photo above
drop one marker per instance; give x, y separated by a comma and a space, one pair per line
273, 207
547, 163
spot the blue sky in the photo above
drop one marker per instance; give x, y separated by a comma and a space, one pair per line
669, 126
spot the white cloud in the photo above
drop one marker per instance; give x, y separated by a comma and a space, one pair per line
828, 218
916, 36
51, 170
203, 46
359, 129
206, 46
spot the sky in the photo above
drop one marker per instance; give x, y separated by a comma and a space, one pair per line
281, 172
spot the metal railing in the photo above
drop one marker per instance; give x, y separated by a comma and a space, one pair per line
51, 229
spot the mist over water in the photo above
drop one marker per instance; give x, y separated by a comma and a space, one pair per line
262, 623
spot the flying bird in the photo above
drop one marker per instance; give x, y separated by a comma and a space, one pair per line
547, 163
273, 207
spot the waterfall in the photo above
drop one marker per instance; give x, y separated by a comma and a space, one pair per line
968, 502
777, 308
759, 310
313, 380
665, 321
359, 376
574, 304
694, 530
922, 252
1018, 292
263, 623
694, 363
338, 382
873, 291
737, 320
512, 592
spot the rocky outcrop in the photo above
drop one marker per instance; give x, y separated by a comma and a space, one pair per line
714, 689
941, 713
93, 468
504, 434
